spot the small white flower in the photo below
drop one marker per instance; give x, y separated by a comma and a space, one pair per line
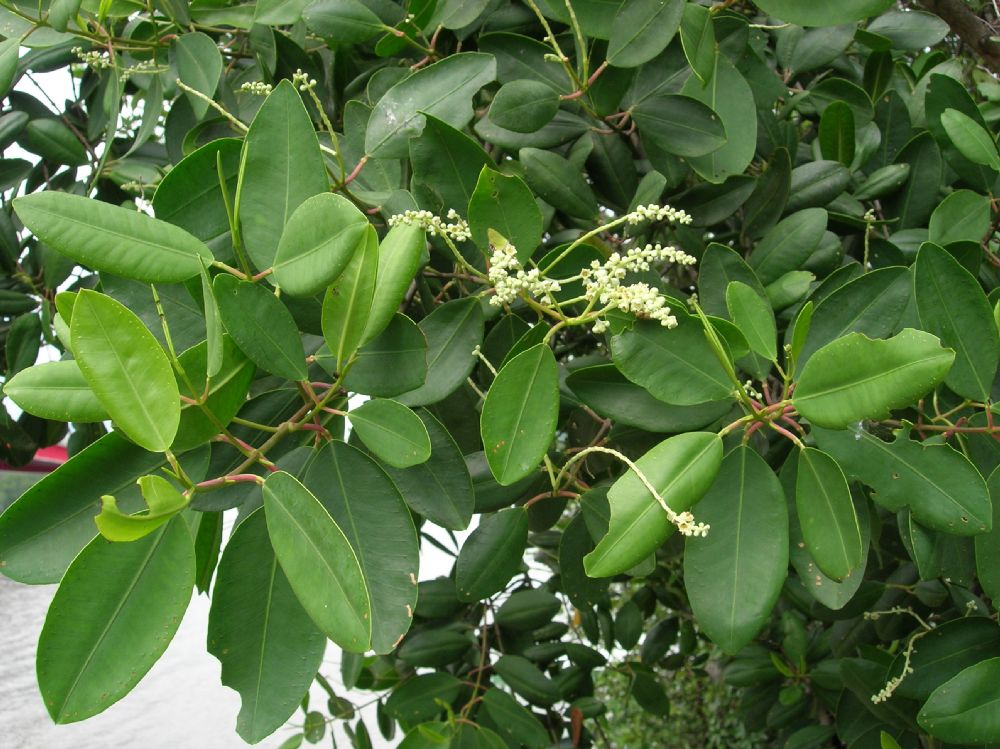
458, 229
653, 212
259, 88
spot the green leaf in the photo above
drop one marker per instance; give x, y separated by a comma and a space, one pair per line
254, 622
278, 13
528, 609
162, 500
643, 29
964, 710
55, 142
319, 562
514, 721
439, 489
114, 614
214, 330
963, 215
417, 699
506, 205
319, 240
347, 304
823, 14
520, 414
883, 182
282, 167
444, 90
127, 370
836, 133
261, 326
911, 30
524, 106
826, 514
788, 244
105, 237
46, 527
394, 433
698, 40
675, 365
443, 184
342, 21
987, 544
492, 554
951, 305
734, 575
10, 49
557, 181
754, 317
400, 255
943, 490
453, 330
857, 378
970, 138
434, 648
364, 502
393, 362
680, 125
729, 95
55, 390
681, 469
199, 65
527, 680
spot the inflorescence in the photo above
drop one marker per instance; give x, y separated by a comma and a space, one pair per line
458, 230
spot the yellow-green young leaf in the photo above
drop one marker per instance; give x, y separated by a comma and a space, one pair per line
951, 305
162, 499
400, 255
55, 390
965, 709
110, 238
348, 302
492, 554
855, 378
319, 562
520, 413
392, 431
754, 317
826, 514
319, 240
970, 138
681, 469
734, 575
115, 612
127, 370
261, 326
254, 623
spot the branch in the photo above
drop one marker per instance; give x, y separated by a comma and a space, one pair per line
970, 28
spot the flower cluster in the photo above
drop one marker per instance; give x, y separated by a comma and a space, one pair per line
653, 212
688, 527
458, 229
302, 81
257, 87
509, 279
893, 684
96, 60
142, 67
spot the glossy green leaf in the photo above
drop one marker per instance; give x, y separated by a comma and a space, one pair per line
641, 30
254, 623
557, 181
964, 710
282, 167
520, 414
55, 390
393, 362
527, 680
439, 489
492, 554
514, 721
681, 469
127, 370
9, 51
883, 182
199, 65
680, 125
857, 378
970, 138
400, 254
524, 106
416, 700
754, 317
318, 242
163, 501
698, 40
505, 204
347, 303
53, 141
943, 490
444, 90
109, 238
319, 562
952, 306
963, 215
822, 14
115, 612
676, 365
836, 133
789, 244
453, 330
442, 184
733, 576
826, 514
342, 21
394, 433
261, 326
364, 502
988, 544
433, 648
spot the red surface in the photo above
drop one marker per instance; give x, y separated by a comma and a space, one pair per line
45, 460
